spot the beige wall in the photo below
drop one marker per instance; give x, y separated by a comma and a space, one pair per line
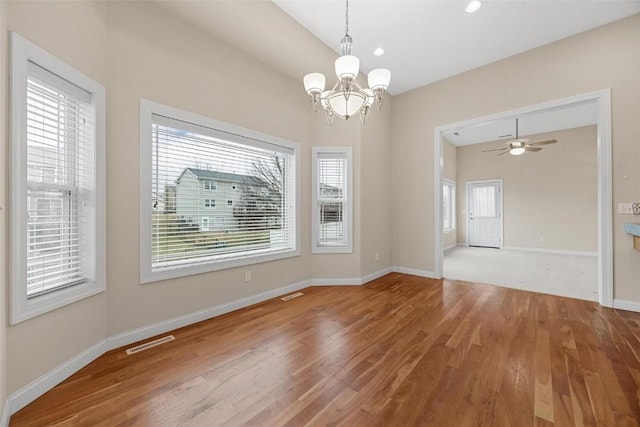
606, 57
154, 56
139, 50
38, 345
450, 172
375, 190
3, 207
550, 198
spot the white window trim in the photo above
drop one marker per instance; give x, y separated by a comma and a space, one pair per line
453, 206
23, 52
348, 214
147, 110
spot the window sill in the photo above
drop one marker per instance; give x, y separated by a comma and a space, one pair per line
175, 272
452, 230
49, 302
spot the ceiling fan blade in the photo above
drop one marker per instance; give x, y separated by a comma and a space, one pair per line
497, 149
532, 149
504, 152
550, 141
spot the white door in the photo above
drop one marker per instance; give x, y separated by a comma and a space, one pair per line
484, 207
204, 223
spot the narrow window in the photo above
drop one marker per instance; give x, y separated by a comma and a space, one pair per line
333, 206
448, 205
57, 182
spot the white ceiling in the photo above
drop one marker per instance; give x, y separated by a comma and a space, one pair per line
426, 41
569, 117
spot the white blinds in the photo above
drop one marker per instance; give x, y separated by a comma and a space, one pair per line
60, 122
332, 180
217, 195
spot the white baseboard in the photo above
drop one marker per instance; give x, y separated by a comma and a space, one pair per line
626, 305
551, 251
415, 272
376, 275
38, 387
354, 281
4, 419
149, 331
446, 248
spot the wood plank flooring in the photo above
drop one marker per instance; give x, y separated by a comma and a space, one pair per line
399, 351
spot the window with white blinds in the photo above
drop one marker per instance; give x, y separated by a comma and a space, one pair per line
218, 197
332, 190
59, 138
448, 205
55, 113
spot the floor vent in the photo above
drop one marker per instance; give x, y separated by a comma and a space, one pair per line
292, 296
150, 344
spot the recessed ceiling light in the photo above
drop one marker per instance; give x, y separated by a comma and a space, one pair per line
378, 52
473, 6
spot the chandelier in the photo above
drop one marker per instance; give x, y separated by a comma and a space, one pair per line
347, 99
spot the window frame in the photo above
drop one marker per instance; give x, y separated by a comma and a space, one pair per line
22, 307
347, 215
453, 191
147, 275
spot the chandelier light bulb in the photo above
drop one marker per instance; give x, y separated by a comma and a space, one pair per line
379, 78
347, 66
314, 82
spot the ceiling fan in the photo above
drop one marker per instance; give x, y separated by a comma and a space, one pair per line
520, 145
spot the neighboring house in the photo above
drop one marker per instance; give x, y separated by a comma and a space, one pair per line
331, 212
221, 201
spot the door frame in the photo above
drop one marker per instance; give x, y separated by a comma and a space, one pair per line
602, 99
500, 206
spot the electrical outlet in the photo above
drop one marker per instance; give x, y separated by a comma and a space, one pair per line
377, 257
625, 208
541, 239
247, 276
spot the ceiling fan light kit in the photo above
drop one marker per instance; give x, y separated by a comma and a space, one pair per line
519, 145
347, 99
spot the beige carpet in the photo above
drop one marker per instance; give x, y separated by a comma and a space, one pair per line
565, 275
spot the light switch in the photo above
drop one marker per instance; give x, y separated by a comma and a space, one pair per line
625, 208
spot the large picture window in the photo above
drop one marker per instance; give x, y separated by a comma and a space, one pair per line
184, 158
333, 205
57, 183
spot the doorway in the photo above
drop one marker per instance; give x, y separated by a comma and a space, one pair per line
601, 100
484, 204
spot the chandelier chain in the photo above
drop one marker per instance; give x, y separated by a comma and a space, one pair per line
346, 19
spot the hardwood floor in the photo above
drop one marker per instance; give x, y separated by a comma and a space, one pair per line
399, 351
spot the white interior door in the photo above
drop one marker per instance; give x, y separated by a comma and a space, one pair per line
484, 207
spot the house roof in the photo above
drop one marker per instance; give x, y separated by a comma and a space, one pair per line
223, 176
